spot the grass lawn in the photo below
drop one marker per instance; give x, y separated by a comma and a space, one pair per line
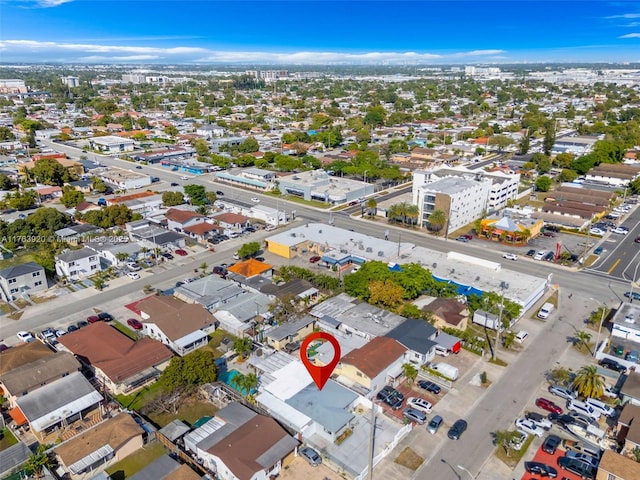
216, 338
135, 462
190, 411
124, 329
7, 439
410, 459
19, 256
141, 397
514, 455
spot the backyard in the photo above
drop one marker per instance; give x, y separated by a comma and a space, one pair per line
135, 462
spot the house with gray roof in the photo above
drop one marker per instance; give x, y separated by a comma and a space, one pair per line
78, 264
109, 251
418, 337
292, 331
26, 277
239, 444
167, 468
74, 234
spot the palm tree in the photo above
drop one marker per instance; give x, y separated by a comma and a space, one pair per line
243, 346
410, 372
437, 220
37, 461
412, 213
393, 213
582, 338
246, 385
588, 382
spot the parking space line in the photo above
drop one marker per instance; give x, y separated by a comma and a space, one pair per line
615, 264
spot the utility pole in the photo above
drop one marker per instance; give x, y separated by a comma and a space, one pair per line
372, 432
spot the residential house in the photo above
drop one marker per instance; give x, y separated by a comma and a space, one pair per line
202, 231
26, 378
210, 131
449, 313
150, 235
115, 253
629, 427
178, 219
75, 234
100, 446
165, 468
232, 222
48, 193
118, 362
630, 391
418, 337
27, 278
236, 309
78, 264
239, 444
110, 144
626, 322
83, 207
145, 203
614, 466
616, 174
84, 186
250, 268
20, 355
183, 327
294, 330
372, 366
57, 404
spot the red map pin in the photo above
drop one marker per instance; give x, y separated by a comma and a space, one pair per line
320, 374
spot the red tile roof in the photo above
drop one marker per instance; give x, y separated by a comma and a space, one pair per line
250, 268
201, 228
181, 216
375, 356
231, 218
114, 353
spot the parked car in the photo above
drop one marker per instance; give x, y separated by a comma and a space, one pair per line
457, 429
542, 469
531, 253
583, 408
134, 267
550, 257
598, 250
583, 457
133, 275
82, 324
72, 328
26, 337
539, 420
218, 270
181, 252
566, 419
385, 392
562, 392
620, 230
510, 256
394, 400
93, 319
462, 238
597, 231
548, 405
611, 364
315, 259
551, 444
634, 295
419, 404
168, 256
429, 386
414, 415
576, 466
311, 456
220, 193
60, 333
529, 427
135, 324
632, 356
601, 407
174, 184
548, 234
434, 424
540, 255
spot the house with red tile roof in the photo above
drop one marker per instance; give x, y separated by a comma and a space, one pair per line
250, 268
178, 219
118, 362
373, 365
202, 231
232, 221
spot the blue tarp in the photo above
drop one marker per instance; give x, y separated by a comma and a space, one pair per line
462, 289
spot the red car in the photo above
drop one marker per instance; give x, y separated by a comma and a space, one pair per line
135, 324
314, 259
93, 319
548, 405
637, 240
182, 253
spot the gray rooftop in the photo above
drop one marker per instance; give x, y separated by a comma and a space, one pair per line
13, 456
449, 185
211, 291
74, 255
290, 328
415, 335
628, 315
329, 407
158, 469
19, 270
174, 430
78, 229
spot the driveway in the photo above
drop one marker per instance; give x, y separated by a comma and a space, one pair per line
300, 468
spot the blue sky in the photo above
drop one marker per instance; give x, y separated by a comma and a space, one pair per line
326, 32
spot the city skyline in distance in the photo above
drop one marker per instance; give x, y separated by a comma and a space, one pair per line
319, 33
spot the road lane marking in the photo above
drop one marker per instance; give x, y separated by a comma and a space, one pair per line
615, 264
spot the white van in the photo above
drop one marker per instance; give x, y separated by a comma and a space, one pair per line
521, 336
546, 310
442, 351
601, 407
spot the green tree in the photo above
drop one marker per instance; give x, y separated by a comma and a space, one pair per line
588, 382
582, 337
202, 147
71, 197
243, 346
211, 197
196, 193
98, 185
543, 183
5, 182
6, 135
437, 220
559, 376
525, 144
500, 141
186, 373
246, 385
250, 145
549, 137
170, 199
250, 249
375, 116
38, 461
567, 175
192, 109
410, 372
21, 200
385, 293
372, 206
171, 130
50, 172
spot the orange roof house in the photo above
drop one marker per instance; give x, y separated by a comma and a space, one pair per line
251, 268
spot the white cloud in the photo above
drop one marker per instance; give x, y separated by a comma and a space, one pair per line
630, 35
90, 52
626, 15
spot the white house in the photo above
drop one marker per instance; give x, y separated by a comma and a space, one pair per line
77, 264
626, 322
210, 131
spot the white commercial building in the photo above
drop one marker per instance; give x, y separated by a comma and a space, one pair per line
320, 186
462, 200
112, 144
125, 179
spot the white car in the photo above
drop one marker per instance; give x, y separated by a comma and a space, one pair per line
26, 337
596, 231
255, 199
184, 178
419, 404
601, 407
540, 255
134, 267
620, 230
610, 392
133, 275
510, 256
60, 333
529, 427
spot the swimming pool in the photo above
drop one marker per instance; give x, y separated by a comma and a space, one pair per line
227, 378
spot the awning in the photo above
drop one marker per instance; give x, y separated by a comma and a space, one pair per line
18, 416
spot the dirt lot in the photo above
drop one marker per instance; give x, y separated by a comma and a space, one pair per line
300, 468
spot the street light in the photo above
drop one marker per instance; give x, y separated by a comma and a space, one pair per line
465, 470
604, 310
